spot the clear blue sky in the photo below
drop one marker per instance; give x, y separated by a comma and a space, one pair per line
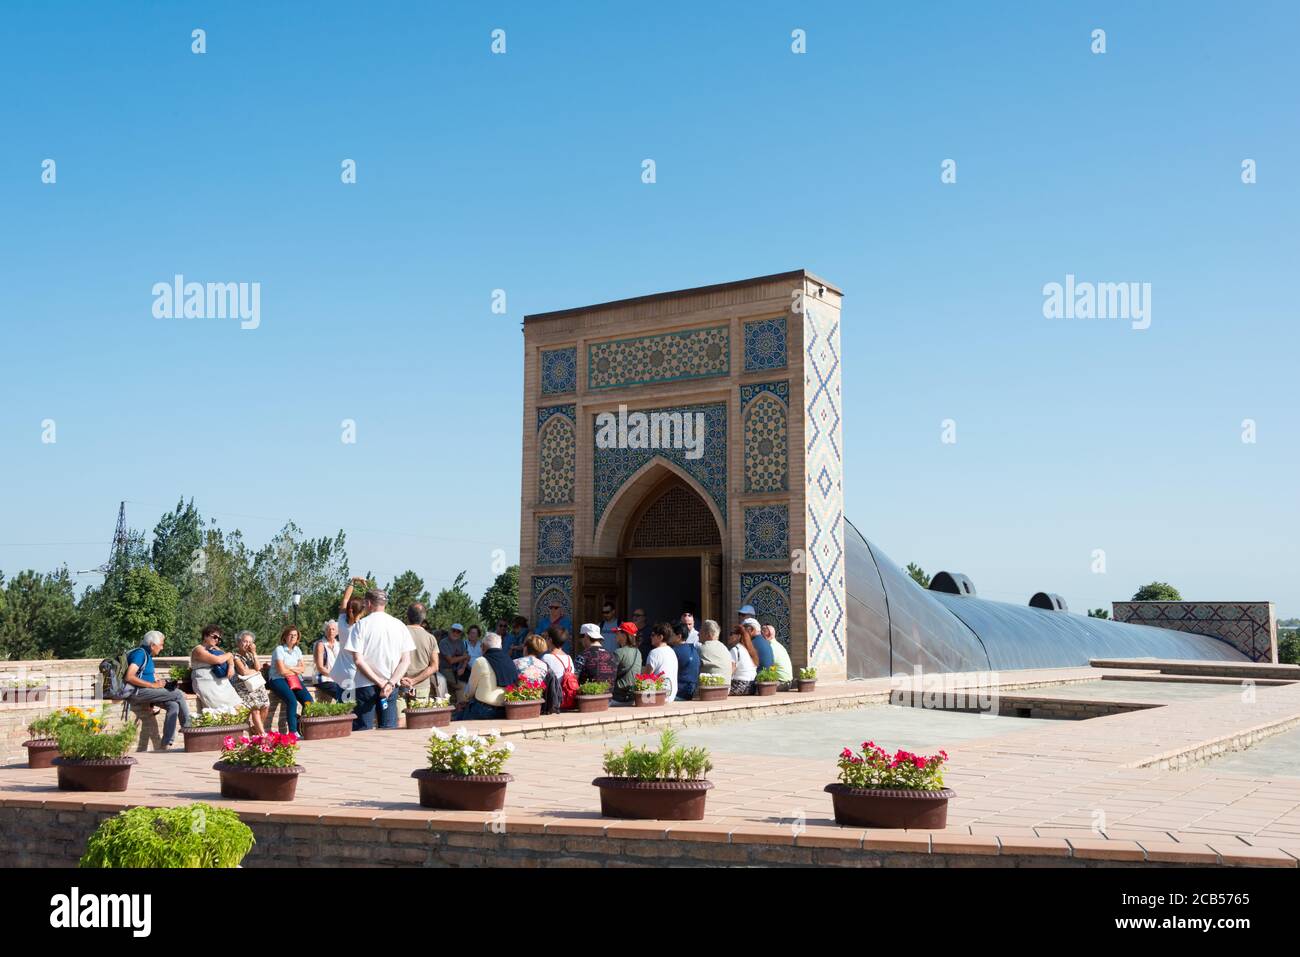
522, 172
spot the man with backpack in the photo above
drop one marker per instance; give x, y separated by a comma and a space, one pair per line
147, 688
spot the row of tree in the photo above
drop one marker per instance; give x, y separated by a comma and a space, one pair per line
190, 573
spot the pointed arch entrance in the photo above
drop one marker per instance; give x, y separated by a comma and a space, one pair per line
661, 549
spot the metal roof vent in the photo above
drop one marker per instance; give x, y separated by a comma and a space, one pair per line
1049, 601
953, 583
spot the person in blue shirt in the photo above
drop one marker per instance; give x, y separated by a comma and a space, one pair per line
559, 620
761, 645
149, 689
513, 641
688, 662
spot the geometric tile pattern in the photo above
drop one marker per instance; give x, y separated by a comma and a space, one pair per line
552, 587
693, 354
560, 370
557, 449
764, 409
555, 540
824, 488
769, 593
611, 467
1250, 627
767, 533
765, 345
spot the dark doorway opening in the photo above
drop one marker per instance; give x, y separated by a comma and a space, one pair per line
663, 587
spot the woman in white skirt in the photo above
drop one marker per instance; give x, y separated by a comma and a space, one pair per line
214, 691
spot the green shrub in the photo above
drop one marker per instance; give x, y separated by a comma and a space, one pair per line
594, 687
767, 674
178, 673
464, 752
328, 709
195, 835
214, 718
713, 681
47, 726
808, 674
669, 762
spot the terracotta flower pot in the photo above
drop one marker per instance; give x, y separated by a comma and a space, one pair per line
258, 784
591, 703
712, 692
24, 695
765, 688
209, 739
807, 684
644, 699
428, 717
462, 792
332, 726
518, 710
652, 800
41, 752
93, 774
868, 807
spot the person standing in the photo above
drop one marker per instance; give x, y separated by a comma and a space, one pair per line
629, 662
692, 636
662, 660
688, 662
557, 619
453, 660
421, 679
608, 625
513, 642
381, 646
149, 689
325, 651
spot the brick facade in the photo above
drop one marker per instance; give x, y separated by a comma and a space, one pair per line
760, 360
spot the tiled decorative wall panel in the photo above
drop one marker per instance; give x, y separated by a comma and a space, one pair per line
612, 466
559, 370
765, 345
555, 540
767, 533
548, 587
824, 485
557, 447
764, 408
693, 354
1250, 627
769, 593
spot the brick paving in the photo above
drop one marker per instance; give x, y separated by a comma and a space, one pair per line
1107, 789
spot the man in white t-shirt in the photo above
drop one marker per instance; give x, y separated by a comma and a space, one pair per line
662, 659
381, 648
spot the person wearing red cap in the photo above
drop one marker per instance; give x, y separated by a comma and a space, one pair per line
629, 662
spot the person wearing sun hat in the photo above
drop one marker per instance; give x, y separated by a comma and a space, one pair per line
628, 657
596, 662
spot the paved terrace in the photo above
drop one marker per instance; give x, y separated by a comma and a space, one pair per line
1122, 789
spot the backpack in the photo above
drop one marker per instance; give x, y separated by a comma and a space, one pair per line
115, 686
568, 684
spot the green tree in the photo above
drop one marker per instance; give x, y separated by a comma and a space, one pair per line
1098, 613
918, 575
38, 617
176, 552
501, 600
1288, 648
406, 589
1157, 591
146, 602
454, 605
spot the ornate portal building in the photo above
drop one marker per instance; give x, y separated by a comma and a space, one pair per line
737, 500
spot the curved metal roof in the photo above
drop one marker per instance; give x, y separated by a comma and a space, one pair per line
895, 625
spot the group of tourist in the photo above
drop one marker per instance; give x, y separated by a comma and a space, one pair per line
384, 662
